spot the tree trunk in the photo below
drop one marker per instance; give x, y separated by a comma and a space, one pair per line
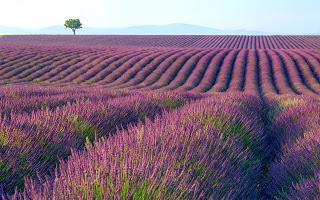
74, 32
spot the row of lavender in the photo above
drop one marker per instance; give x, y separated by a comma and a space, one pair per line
295, 168
196, 70
206, 149
24, 98
39, 126
187, 41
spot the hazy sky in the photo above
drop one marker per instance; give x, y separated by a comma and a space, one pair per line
274, 16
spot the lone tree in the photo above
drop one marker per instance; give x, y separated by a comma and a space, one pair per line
73, 24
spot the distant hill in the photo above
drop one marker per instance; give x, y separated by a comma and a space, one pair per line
171, 29
11, 30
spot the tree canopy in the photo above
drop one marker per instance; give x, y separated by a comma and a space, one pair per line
73, 24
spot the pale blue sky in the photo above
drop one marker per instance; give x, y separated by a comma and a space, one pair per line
273, 16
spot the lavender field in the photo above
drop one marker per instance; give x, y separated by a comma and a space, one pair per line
160, 117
